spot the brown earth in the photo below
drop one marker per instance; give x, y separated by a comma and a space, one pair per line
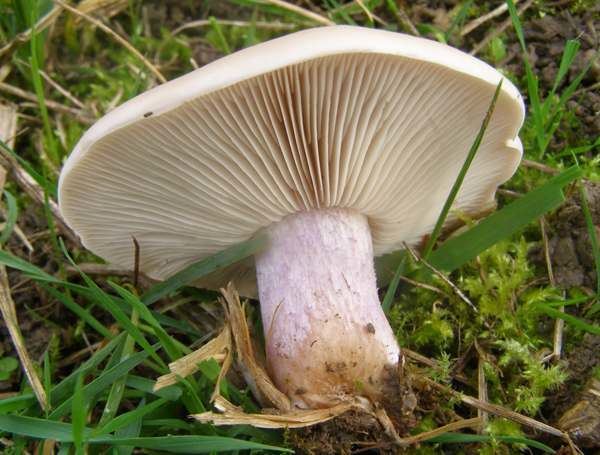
569, 245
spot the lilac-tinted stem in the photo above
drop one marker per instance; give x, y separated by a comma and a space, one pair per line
326, 335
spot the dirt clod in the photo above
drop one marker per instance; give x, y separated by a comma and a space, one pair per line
359, 432
582, 421
570, 246
348, 432
579, 363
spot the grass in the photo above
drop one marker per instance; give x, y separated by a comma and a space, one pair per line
103, 402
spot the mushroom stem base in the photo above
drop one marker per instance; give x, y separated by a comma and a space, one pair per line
326, 335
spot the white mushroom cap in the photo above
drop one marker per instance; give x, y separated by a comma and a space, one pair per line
340, 116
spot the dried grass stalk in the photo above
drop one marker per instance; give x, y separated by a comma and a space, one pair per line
301, 11
42, 24
122, 41
9, 314
233, 415
453, 426
254, 374
8, 126
105, 8
79, 114
498, 410
217, 349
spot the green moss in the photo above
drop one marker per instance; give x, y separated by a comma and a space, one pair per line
503, 269
501, 427
578, 6
528, 378
496, 50
506, 324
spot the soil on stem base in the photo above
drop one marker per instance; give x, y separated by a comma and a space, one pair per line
355, 432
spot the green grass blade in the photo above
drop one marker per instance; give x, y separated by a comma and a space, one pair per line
593, 310
458, 250
514, 15
164, 320
204, 267
34, 272
36, 51
116, 356
578, 150
193, 401
16, 403
570, 319
132, 430
63, 432
224, 45
102, 382
37, 274
458, 20
569, 53
391, 290
170, 346
171, 393
129, 417
570, 90
82, 313
559, 108
109, 305
342, 13
171, 424
12, 211
290, 16
461, 438
591, 228
569, 302
117, 313
117, 390
47, 378
190, 444
461, 176
66, 386
78, 413
532, 81
181, 326
38, 428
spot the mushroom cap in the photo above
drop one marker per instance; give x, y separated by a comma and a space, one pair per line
340, 116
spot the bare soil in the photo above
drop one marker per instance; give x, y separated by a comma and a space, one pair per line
406, 401
569, 245
546, 37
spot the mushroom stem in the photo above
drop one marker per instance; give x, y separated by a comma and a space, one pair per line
326, 335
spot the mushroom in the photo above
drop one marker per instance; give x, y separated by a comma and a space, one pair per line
340, 143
